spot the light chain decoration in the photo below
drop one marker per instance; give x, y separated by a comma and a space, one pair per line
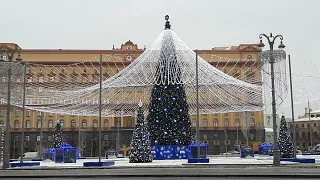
74, 89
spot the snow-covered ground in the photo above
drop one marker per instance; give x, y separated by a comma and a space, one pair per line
124, 162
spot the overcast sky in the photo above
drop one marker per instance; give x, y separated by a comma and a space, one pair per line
202, 24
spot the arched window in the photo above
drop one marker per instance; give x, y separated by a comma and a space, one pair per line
73, 123
249, 58
39, 124
106, 123
252, 122
28, 125
95, 123
50, 124
226, 122
84, 123
194, 123
215, 123
129, 123
16, 124
205, 123
237, 121
61, 123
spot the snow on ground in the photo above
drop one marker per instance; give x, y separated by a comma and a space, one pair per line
124, 162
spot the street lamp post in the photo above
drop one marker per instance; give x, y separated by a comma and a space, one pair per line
9, 52
271, 39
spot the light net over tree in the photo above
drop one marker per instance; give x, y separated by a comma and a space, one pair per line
126, 81
168, 118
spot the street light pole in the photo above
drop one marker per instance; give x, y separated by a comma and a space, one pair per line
10, 52
100, 104
197, 96
23, 112
271, 39
292, 113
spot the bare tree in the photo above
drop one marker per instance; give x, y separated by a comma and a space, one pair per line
245, 126
82, 141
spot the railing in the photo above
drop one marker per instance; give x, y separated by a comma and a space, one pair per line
70, 129
228, 128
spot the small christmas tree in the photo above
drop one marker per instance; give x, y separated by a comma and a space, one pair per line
140, 150
284, 140
57, 137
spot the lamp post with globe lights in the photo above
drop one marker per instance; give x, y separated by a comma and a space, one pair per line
271, 39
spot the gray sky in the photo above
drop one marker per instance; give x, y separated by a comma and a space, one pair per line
202, 24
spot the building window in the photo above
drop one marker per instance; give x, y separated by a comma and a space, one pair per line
106, 123
237, 121
252, 136
303, 135
237, 113
28, 113
29, 80
302, 125
226, 123
315, 125
3, 79
251, 122
41, 79
297, 135
205, 136
50, 124
315, 134
308, 125
194, 123
249, 58
17, 113
27, 138
105, 137
1, 122
61, 122
51, 78
129, 123
73, 123
39, 123
28, 124
1, 113
38, 138
84, 123
16, 124
40, 89
297, 125
95, 123
205, 123
49, 138
215, 123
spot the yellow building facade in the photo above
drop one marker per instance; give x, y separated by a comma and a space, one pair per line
224, 58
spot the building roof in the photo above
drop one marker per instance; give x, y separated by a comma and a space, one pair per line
307, 119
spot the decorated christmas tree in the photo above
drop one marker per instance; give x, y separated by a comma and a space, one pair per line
140, 150
57, 137
284, 140
168, 118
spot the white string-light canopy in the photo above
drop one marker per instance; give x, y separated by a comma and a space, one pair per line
74, 89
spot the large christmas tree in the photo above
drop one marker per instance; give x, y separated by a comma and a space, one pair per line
284, 140
140, 150
57, 137
168, 118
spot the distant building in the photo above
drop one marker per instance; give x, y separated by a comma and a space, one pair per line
307, 127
